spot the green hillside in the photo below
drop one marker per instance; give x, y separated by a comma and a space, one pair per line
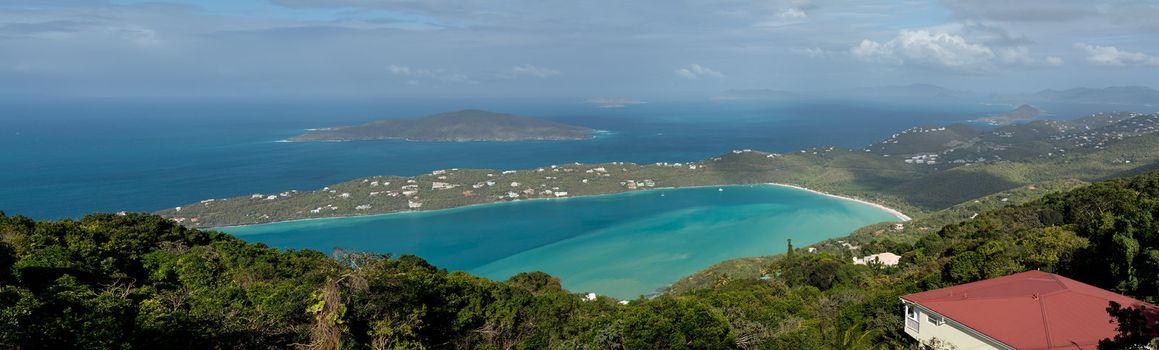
142, 281
917, 171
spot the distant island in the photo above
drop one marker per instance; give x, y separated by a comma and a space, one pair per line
915, 171
1113, 95
464, 125
1131, 95
1023, 113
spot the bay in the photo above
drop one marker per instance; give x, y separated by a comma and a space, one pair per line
622, 245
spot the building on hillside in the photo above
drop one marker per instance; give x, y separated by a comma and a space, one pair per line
1028, 310
886, 259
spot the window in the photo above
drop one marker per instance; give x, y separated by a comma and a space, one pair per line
938, 320
911, 318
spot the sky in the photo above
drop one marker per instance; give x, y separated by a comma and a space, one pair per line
605, 50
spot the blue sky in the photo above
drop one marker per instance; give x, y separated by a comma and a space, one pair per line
566, 49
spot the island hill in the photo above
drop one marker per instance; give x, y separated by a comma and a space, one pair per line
464, 125
1023, 113
917, 171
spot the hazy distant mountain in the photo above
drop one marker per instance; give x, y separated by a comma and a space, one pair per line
911, 91
1023, 113
614, 102
1135, 95
1122, 95
465, 125
754, 94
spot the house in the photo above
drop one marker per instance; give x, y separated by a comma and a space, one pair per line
442, 186
1028, 310
887, 259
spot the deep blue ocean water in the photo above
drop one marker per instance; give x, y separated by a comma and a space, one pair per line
66, 158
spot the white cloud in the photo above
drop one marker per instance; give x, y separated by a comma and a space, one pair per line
533, 71
138, 35
792, 13
1054, 60
697, 72
401, 70
1112, 56
1014, 55
417, 74
925, 47
810, 52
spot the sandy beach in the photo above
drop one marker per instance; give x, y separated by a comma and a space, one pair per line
901, 216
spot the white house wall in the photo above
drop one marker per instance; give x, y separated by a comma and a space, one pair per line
949, 332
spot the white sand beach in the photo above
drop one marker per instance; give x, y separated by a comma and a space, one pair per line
901, 216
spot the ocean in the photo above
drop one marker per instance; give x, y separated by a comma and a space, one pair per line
66, 158
622, 245
63, 158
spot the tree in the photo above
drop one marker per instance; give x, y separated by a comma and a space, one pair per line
1137, 327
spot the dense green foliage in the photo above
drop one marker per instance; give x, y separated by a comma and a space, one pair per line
140, 281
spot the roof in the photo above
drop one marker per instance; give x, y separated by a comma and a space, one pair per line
887, 259
1030, 310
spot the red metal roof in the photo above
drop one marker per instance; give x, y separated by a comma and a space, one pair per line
1030, 310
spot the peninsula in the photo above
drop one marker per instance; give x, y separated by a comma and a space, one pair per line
915, 171
1023, 113
464, 125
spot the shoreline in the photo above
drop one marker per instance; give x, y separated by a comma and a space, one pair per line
471, 206
896, 213
594, 134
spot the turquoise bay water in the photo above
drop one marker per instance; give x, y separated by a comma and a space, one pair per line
622, 245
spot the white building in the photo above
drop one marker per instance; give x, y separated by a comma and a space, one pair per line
1028, 310
887, 259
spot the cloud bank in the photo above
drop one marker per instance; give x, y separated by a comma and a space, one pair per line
697, 72
1112, 56
527, 48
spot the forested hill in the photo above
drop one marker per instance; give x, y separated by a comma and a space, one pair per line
142, 281
464, 125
